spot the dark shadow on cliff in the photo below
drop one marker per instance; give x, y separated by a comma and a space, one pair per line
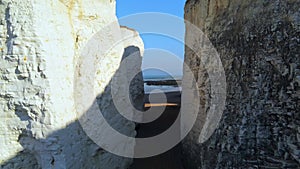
58, 148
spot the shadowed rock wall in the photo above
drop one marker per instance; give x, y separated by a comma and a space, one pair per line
259, 45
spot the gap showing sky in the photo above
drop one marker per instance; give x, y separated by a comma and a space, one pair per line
172, 54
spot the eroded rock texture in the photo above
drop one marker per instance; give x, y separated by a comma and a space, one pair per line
40, 43
259, 45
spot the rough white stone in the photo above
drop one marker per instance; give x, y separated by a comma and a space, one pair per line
40, 42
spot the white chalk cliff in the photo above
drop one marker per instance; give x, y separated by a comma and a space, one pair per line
40, 44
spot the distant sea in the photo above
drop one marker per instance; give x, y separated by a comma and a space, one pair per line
160, 87
161, 77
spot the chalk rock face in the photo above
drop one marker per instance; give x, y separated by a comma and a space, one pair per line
258, 43
41, 44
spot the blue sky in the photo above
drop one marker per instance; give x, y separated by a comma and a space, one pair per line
170, 47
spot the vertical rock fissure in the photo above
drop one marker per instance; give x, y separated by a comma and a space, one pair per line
10, 30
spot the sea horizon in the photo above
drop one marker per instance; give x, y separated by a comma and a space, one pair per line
161, 87
161, 77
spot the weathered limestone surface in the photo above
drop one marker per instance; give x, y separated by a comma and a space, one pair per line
259, 45
40, 42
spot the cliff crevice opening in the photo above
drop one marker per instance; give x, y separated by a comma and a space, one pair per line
44, 46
